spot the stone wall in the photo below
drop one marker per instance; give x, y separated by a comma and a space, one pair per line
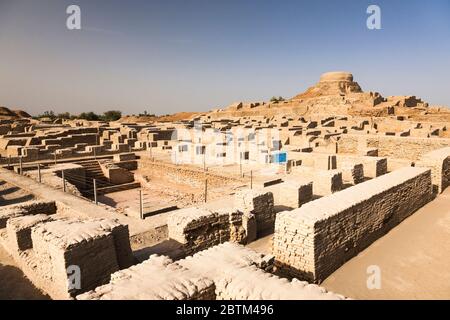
240, 273
313, 241
373, 166
226, 272
157, 278
200, 228
26, 208
439, 163
291, 194
258, 203
194, 177
50, 250
391, 146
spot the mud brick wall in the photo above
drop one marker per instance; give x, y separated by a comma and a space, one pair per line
373, 166
241, 226
439, 163
352, 173
241, 273
26, 208
327, 182
251, 283
213, 261
198, 229
392, 146
313, 241
181, 174
95, 246
19, 230
157, 278
395, 164
259, 203
292, 194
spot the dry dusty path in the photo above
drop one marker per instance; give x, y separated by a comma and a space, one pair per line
13, 283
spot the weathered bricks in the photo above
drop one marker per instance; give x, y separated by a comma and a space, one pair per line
19, 230
199, 228
291, 193
157, 278
439, 163
313, 241
26, 208
94, 246
259, 203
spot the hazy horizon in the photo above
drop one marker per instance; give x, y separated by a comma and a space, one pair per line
195, 55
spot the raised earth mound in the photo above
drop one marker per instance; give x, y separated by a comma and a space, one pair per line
8, 114
337, 93
166, 118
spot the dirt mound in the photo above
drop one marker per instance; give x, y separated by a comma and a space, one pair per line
336, 93
22, 114
166, 118
332, 84
7, 113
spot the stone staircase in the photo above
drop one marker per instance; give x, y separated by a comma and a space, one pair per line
118, 187
93, 171
104, 186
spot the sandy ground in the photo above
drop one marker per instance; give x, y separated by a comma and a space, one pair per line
13, 283
413, 258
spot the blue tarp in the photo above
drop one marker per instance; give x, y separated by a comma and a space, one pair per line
279, 157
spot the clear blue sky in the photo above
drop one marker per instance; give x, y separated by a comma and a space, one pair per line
192, 55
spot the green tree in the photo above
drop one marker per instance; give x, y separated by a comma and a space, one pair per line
90, 116
112, 115
64, 115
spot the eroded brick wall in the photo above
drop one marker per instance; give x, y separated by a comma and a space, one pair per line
313, 241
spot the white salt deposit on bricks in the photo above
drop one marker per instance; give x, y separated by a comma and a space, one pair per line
291, 193
251, 283
313, 241
215, 260
94, 246
240, 273
258, 203
157, 278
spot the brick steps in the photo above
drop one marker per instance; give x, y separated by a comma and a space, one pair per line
119, 187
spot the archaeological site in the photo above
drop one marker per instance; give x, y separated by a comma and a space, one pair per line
290, 199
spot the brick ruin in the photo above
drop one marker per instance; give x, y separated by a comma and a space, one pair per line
176, 206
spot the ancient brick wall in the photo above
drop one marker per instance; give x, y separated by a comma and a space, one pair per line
259, 203
182, 174
313, 241
157, 278
392, 146
439, 163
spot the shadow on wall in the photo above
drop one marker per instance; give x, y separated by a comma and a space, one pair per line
15, 286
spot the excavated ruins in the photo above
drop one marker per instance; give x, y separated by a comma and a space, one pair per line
260, 200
